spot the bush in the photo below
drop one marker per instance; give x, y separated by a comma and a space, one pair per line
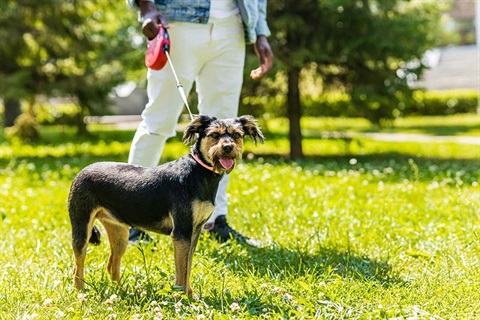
441, 103
329, 105
58, 114
25, 128
422, 103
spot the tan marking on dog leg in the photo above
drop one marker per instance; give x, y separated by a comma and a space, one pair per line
79, 268
181, 250
196, 234
184, 250
117, 234
79, 257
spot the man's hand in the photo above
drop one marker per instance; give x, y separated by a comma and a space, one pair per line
265, 56
151, 19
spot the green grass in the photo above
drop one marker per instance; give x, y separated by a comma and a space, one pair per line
359, 230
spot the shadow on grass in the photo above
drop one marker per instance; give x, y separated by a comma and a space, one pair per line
277, 262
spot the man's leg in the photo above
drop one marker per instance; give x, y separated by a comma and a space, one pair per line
219, 85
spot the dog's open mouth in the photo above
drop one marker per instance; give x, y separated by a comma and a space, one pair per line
226, 163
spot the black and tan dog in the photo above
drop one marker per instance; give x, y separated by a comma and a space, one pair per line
176, 198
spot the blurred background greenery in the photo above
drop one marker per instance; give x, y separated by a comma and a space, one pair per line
61, 61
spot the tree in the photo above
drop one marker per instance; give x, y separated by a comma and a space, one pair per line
364, 48
63, 48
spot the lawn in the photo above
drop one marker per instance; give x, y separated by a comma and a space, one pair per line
360, 229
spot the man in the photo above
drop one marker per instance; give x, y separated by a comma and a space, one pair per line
208, 41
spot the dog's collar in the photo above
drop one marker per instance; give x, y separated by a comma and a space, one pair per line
200, 162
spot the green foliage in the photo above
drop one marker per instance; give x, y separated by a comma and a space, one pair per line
393, 235
64, 48
443, 102
58, 114
426, 103
368, 49
25, 128
336, 104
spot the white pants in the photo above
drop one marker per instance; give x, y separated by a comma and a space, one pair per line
213, 56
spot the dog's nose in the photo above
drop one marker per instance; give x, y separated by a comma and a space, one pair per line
227, 148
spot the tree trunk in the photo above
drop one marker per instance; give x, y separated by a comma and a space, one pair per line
12, 111
81, 125
294, 114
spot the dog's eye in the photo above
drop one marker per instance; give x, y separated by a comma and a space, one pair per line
215, 135
237, 136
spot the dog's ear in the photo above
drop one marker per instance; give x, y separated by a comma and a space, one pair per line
251, 128
196, 126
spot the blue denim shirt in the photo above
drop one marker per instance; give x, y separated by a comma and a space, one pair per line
253, 13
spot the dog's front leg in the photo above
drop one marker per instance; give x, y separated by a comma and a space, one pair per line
181, 248
187, 227
196, 234
184, 251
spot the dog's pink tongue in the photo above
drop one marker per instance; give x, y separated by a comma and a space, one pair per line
227, 163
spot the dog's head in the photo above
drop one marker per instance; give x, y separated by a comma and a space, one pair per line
219, 142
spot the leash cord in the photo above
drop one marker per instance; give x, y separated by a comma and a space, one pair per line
179, 85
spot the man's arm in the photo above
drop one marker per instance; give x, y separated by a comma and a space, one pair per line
265, 57
262, 47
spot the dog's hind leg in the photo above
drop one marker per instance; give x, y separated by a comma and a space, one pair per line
79, 269
118, 238
81, 232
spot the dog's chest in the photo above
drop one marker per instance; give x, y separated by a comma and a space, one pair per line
202, 210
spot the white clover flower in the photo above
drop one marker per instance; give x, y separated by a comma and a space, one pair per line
235, 307
48, 303
287, 297
82, 297
279, 290
59, 314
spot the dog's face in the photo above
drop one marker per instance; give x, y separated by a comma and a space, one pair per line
220, 142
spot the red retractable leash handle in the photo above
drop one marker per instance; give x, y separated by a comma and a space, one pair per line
156, 57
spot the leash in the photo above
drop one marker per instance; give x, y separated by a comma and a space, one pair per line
184, 98
179, 85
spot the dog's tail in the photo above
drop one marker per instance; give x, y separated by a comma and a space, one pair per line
95, 237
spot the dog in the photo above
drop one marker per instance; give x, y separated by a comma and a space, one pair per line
176, 198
